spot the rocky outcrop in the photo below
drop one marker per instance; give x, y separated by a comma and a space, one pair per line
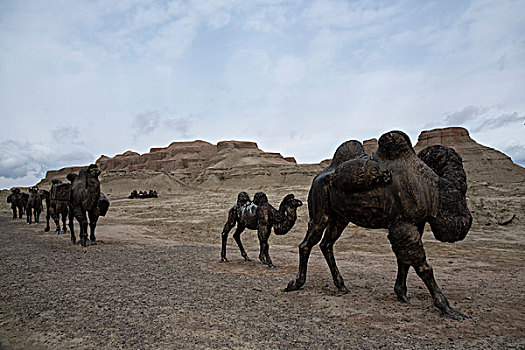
496, 190
60, 174
370, 146
178, 155
185, 155
482, 163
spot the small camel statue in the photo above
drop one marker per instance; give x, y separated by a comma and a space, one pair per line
18, 200
57, 204
34, 205
85, 198
261, 216
395, 190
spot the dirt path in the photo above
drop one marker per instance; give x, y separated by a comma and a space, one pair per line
140, 287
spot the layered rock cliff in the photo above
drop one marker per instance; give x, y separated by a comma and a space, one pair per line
482, 163
496, 186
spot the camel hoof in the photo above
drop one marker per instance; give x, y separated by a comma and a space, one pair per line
92, 242
293, 285
46, 229
73, 242
271, 266
454, 314
403, 299
247, 259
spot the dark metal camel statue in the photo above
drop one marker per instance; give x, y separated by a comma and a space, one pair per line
395, 190
261, 216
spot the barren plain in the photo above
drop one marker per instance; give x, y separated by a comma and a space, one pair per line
154, 281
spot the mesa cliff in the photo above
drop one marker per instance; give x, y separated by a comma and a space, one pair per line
496, 186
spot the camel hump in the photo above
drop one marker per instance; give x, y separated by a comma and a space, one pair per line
60, 191
362, 174
346, 151
260, 198
243, 198
71, 176
393, 145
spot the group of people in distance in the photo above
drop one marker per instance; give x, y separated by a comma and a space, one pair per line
143, 194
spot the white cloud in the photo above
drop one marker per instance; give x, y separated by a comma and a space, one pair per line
298, 77
30, 160
289, 70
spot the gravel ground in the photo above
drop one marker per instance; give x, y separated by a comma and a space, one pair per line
142, 292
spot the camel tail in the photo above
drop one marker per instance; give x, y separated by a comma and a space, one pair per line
453, 219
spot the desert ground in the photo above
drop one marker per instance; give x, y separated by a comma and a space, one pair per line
154, 281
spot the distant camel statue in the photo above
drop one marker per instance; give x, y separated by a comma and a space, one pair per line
393, 189
57, 203
86, 198
18, 200
34, 205
261, 216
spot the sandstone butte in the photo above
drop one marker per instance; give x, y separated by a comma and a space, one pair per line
199, 162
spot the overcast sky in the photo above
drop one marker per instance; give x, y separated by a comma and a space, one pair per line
79, 79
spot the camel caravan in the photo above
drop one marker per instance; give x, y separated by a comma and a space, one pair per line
79, 199
392, 189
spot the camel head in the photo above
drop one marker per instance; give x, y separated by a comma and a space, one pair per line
452, 219
288, 214
33, 190
289, 201
15, 190
71, 177
94, 171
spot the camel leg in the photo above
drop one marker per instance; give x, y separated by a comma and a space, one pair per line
225, 231
29, 216
408, 247
72, 226
93, 218
237, 237
14, 212
400, 287
263, 233
333, 231
82, 220
313, 236
64, 218
48, 216
56, 219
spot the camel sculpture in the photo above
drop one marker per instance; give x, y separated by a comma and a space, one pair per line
261, 216
85, 198
18, 200
395, 190
34, 205
57, 204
